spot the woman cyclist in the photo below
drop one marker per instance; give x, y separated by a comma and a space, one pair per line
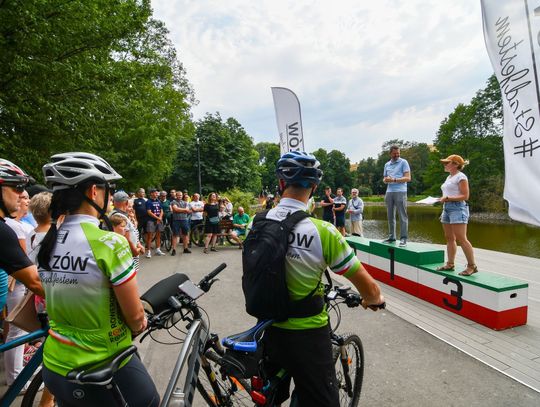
90, 285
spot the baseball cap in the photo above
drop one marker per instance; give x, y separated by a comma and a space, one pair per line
454, 158
120, 196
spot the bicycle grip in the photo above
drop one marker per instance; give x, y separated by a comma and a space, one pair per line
216, 271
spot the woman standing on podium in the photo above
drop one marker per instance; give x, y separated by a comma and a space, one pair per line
455, 215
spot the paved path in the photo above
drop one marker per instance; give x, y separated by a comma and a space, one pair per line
405, 366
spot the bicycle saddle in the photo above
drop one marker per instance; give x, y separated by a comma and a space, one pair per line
247, 341
102, 372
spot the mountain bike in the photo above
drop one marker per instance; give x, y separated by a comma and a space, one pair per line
171, 304
245, 356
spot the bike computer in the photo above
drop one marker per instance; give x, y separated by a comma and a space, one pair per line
190, 289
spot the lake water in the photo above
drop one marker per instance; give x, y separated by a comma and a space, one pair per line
424, 226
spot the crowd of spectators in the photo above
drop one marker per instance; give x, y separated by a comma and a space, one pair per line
182, 212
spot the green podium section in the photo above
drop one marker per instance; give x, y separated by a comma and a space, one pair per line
489, 281
414, 254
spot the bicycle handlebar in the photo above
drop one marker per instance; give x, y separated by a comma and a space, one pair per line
209, 279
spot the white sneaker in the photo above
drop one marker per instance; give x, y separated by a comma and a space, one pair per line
159, 252
148, 254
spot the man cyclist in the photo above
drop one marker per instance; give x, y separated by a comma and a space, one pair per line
302, 345
13, 259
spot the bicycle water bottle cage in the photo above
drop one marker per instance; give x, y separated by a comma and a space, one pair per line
102, 372
247, 341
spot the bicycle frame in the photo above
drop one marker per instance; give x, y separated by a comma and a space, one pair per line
26, 374
190, 353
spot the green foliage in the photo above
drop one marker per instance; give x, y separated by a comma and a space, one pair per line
228, 157
364, 191
336, 170
269, 154
241, 198
93, 75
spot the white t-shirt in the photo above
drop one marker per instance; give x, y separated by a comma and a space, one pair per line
21, 229
451, 185
196, 205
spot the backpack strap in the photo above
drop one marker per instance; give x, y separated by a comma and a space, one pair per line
290, 221
311, 304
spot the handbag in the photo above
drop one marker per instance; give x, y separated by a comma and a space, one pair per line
214, 220
24, 315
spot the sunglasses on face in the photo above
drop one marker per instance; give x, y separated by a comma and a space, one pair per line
18, 188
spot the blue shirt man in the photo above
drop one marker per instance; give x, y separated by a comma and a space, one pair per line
397, 174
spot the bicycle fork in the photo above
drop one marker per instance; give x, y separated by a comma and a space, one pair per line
345, 361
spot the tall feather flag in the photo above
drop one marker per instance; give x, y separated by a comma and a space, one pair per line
512, 36
289, 120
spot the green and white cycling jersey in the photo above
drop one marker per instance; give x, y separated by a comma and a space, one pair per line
314, 245
86, 324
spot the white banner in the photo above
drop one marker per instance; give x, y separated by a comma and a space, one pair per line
289, 120
512, 36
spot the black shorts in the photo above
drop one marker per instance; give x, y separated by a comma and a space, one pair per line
307, 356
340, 221
211, 227
133, 380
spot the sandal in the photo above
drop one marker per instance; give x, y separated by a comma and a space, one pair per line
470, 270
446, 267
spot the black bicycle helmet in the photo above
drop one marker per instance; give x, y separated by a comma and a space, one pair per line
67, 170
12, 174
299, 168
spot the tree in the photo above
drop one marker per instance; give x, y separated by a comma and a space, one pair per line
93, 75
474, 131
228, 157
269, 154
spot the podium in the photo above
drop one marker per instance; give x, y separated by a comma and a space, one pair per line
495, 301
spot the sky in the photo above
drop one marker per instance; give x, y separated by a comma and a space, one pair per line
365, 72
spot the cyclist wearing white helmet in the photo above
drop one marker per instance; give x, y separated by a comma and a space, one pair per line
302, 345
90, 285
13, 259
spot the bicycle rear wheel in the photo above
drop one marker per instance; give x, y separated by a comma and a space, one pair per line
212, 383
35, 392
166, 238
349, 363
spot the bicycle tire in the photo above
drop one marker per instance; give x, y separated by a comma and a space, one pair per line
235, 391
349, 376
166, 238
33, 394
197, 235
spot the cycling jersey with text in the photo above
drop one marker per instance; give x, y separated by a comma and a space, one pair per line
313, 245
86, 324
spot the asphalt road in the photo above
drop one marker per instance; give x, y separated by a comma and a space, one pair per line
405, 366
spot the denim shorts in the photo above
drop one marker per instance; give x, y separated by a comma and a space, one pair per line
455, 212
180, 225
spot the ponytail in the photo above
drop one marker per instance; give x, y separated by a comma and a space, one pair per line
63, 202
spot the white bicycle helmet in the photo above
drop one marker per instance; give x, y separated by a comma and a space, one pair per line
67, 170
12, 174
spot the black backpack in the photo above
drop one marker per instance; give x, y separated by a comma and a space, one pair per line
263, 279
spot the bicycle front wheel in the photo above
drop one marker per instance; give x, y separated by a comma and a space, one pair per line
349, 363
218, 389
36, 393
